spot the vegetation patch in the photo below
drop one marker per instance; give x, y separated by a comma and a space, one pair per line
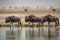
27, 25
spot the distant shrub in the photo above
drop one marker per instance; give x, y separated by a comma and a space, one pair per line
25, 10
53, 9
0, 25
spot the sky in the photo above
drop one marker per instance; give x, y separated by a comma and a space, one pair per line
30, 3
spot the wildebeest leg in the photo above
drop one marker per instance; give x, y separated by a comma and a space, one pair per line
55, 23
48, 23
29, 23
19, 23
10, 26
58, 22
39, 23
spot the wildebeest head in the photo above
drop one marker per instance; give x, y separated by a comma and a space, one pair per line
8, 19
27, 18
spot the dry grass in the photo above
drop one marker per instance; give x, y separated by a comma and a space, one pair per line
23, 10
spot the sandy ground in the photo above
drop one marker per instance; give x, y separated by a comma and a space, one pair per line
22, 15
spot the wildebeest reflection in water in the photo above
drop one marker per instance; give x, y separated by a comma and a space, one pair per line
26, 33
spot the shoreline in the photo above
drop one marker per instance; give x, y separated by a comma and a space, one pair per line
26, 25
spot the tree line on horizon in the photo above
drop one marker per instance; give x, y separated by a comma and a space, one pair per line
25, 8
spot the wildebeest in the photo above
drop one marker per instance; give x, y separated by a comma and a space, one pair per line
32, 19
12, 19
49, 18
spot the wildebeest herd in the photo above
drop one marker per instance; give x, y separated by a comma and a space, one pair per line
33, 19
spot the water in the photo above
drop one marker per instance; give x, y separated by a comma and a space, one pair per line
29, 33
